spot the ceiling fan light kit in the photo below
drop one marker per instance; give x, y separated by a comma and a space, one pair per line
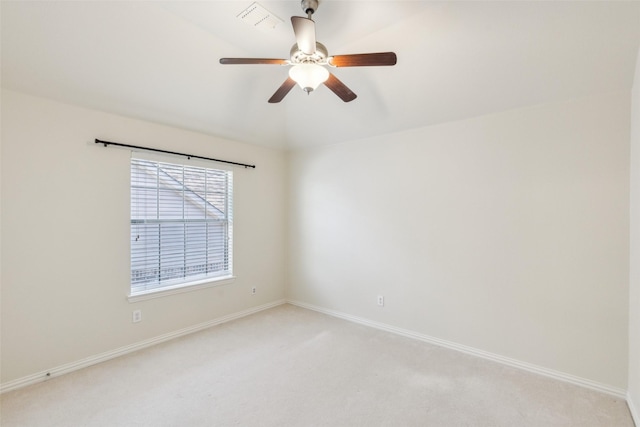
308, 59
309, 76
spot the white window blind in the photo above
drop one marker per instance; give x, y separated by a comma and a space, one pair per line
181, 225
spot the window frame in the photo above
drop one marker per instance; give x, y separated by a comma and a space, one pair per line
195, 282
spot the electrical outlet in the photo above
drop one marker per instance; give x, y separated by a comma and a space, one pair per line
253, 290
137, 316
380, 300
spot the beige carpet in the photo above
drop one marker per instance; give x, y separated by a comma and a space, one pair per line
292, 367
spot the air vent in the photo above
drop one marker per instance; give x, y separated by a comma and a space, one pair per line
259, 17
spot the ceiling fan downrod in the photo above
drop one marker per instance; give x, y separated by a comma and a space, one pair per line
309, 7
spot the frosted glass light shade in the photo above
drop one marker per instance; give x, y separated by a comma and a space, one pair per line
309, 76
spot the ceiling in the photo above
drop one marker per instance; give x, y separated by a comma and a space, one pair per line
159, 61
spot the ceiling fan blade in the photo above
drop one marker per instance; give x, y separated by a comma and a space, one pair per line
363, 59
235, 61
339, 88
282, 91
305, 30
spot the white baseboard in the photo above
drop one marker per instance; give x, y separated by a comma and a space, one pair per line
634, 410
583, 382
93, 360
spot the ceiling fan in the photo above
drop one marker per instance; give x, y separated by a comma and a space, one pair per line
308, 58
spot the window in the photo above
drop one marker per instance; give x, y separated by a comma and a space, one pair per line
181, 225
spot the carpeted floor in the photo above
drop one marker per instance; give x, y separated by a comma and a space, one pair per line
288, 366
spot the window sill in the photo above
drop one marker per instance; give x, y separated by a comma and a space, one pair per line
179, 289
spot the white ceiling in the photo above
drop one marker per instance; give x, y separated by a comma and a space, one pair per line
158, 61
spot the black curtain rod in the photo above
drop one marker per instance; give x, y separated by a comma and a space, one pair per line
173, 152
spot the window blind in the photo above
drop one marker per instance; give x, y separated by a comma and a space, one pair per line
181, 224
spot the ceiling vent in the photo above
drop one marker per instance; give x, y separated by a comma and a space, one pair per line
259, 17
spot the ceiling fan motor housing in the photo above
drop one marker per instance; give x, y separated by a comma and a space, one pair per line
309, 6
318, 57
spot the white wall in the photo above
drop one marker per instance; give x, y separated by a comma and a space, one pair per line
507, 233
634, 276
65, 234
